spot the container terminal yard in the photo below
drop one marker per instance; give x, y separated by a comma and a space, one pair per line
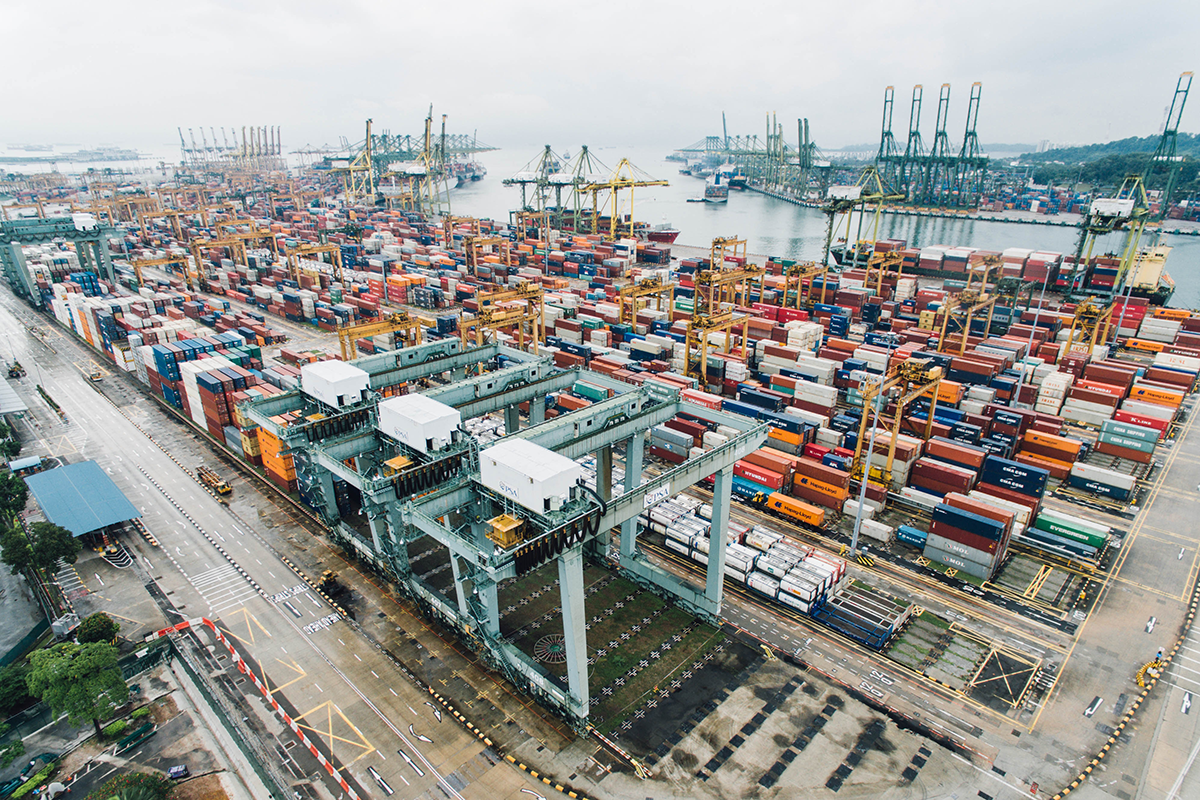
609, 517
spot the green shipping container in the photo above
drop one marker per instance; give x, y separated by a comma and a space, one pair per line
1130, 431
590, 391
1060, 529
1126, 441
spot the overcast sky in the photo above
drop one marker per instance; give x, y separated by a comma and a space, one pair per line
622, 72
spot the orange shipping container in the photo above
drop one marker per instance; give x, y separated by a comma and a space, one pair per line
1160, 397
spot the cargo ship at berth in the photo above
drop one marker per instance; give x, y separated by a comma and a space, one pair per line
1148, 277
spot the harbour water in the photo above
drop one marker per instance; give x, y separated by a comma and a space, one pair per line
771, 227
778, 228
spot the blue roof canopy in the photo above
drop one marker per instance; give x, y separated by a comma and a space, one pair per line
80, 498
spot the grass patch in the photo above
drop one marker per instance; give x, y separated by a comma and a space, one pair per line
115, 730
138, 713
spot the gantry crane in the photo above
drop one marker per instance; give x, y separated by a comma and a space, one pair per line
880, 266
1164, 158
971, 302
903, 385
869, 189
522, 309
1089, 326
646, 287
403, 322
715, 287
139, 263
794, 277
625, 176
450, 223
357, 172
5, 210
294, 255
297, 198
235, 246
473, 247
97, 207
168, 213
1128, 211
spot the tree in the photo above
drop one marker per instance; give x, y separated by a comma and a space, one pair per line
14, 694
82, 681
15, 550
99, 627
13, 494
10, 751
50, 543
134, 786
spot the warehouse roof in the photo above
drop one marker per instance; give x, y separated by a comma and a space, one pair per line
10, 402
80, 498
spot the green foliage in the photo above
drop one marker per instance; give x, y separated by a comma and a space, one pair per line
9, 444
115, 730
82, 681
13, 494
10, 751
15, 550
1187, 144
99, 627
134, 786
37, 780
50, 543
14, 694
139, 713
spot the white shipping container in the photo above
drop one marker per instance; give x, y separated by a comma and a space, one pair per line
763, 583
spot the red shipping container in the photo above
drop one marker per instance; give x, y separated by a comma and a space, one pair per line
972, 540
818, 471
1130, 418
1124, 452
752, 472
1032, 503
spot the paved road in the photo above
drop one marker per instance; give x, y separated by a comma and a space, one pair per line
351, 700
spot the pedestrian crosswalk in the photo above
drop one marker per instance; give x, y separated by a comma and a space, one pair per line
222, 587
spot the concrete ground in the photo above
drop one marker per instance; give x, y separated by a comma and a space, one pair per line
20, 612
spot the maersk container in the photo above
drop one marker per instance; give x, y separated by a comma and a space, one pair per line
1013, 475
969, 522
909, 535
763, 584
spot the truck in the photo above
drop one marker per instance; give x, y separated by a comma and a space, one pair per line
213, 481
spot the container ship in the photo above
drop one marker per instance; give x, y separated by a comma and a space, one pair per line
1148, 277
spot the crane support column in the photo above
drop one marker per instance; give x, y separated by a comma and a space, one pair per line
570, 583
635, 447
324, 486
485, 588
715, 576
464, 610
512, 419
537, 410
379, 528
604, 472
399, 549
